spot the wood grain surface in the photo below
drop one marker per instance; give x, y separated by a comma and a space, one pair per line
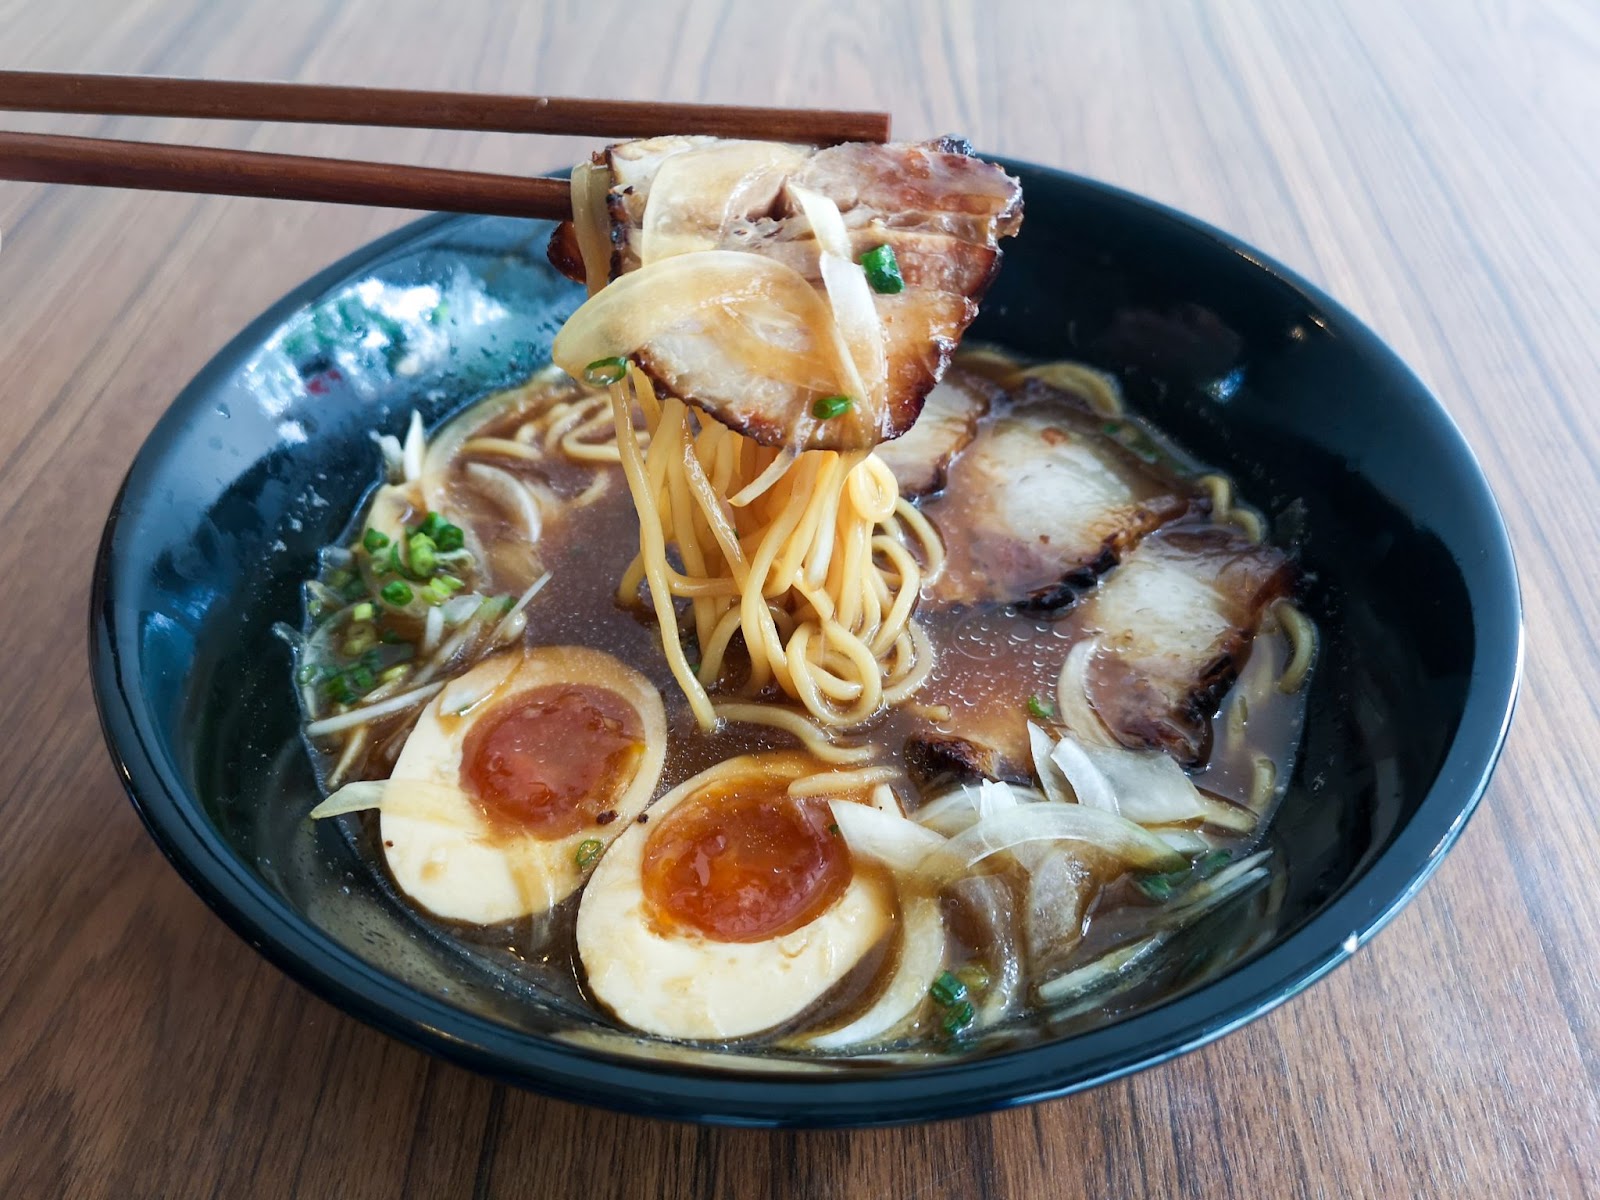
1434, 164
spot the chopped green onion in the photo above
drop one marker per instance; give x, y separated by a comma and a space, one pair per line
422, 551
437, 591
833, 829
397, 592
828, 407
398, 671
957, 1018
431, 524
450, 538
374, 540
948, 990
1041, 710
605, 371
1209, 864
355, 589
363, 611
452, 582
306, 673
389, 637
883, 270
588, 850
360, 678
395, 565
1157, 887
507, 603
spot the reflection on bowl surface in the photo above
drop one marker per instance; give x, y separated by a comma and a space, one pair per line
266, 455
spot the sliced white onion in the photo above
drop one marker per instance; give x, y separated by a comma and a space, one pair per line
391, 504
1226, 883
860, 331
1143, 785
402, 797
1062, 879
445, 657
509, 621
1234, 817
360, 716
884, 800
354, 747
458, 608
393, 455
432, 631
1134, 960
1183, 839
462, 694
994, 798
951, 812
592, 222
883, 837
988, 899
1029, 823
352, 797
1072, 697
411, 453
510, 494
1084, 776
922, 951
1051, 778
849, 295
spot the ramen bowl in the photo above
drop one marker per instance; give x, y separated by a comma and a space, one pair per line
264, 458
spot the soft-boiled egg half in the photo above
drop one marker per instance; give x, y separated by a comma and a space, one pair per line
516, 777
733, 910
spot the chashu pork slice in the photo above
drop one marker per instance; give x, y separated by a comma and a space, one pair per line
1043, 502
1171, 627
920, 458
941, 210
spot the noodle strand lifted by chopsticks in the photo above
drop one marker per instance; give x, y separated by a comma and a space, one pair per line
811, 557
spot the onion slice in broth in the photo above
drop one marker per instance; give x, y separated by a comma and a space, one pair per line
1145, 786
1029, 823
883, 837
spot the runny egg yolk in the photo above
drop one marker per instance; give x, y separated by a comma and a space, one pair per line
551, 760
744, 863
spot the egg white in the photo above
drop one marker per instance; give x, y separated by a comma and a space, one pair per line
680, 983
441, 852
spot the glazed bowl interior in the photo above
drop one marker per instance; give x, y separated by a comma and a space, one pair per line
266, 456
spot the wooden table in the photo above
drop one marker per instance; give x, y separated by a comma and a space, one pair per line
1435, 165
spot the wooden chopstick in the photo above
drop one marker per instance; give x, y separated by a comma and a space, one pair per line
50, 158
135, 95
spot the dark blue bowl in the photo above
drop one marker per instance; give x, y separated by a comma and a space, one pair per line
266, 454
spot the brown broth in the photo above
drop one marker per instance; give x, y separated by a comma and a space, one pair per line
990, 661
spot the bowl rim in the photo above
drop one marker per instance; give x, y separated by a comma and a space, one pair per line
874, 1097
